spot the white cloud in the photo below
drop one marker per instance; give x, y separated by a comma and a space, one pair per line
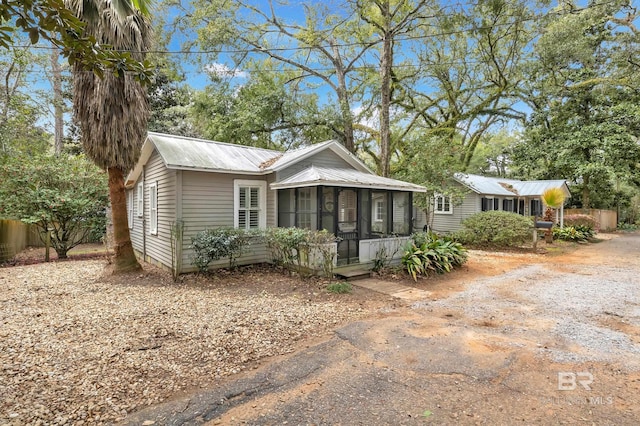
221, 70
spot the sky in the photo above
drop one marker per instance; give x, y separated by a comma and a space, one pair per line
196, 72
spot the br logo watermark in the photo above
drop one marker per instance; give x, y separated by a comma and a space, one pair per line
568, 381
580, 381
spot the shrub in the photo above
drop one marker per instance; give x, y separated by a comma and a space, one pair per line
570, 233
495, 228
427, 252
581, 220
340, 288
215, 244
301, 248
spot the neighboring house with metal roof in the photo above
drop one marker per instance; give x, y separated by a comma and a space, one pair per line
491, 193
206, 184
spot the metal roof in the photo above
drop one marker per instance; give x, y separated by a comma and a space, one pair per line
313, 176
509, 187
189, 153
178, 152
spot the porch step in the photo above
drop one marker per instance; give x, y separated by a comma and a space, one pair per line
394, 289
353, 272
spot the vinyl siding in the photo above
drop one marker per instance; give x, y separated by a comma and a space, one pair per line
325, 158
135, 228
444, 223
207, 202
158, 247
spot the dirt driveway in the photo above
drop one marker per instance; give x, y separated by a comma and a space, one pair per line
542, 343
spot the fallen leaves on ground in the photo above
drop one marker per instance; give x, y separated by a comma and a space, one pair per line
78, 348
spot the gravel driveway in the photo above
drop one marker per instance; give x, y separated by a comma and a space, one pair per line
553, 341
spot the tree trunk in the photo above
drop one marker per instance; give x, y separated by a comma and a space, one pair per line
386, 62
586, 202
58, 102
124, 258
343, 99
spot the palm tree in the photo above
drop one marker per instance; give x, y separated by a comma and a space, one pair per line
112, 109
552, 198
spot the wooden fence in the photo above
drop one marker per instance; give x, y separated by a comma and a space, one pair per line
606, 219
15, 236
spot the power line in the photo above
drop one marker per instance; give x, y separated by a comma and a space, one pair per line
341, 45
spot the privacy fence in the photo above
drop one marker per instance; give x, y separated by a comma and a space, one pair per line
606, 219
15, 236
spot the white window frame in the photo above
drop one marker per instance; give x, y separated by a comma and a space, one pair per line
262, 200
130, 208
153, 208
444, 199
140, 200
378, 214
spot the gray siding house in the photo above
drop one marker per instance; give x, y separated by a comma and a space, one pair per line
206, 184
490, 193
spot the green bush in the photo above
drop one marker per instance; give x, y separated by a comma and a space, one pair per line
340, 288
215, 244
496, 229
292, 247
623, 226
580, 221
570, 233
426, 252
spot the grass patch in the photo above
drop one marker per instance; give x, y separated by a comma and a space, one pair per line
340, 288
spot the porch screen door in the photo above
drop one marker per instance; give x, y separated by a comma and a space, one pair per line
347, 225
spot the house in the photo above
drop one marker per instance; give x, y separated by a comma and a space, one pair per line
490, 193
206, 184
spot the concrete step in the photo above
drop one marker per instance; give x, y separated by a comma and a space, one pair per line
393, 289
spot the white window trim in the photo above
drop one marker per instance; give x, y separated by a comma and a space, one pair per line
262, 200
140, 200
435, 206
153, 210
130, 208
377, 218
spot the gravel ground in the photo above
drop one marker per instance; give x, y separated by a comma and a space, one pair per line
589, 308
78, 348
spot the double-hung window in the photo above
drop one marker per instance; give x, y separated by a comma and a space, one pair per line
153, 208
443, 204
250, 204
140, 200
130, 208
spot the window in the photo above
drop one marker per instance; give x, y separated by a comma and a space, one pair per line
140, 201
304, 209
535, 208
250, 204
490, 204
379, 213
508, 205
130, 208
153, 208
378, 210
443, 204
401, 213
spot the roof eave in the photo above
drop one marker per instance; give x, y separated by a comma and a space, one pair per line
277, 185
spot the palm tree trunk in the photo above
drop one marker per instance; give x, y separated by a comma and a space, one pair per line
124, 258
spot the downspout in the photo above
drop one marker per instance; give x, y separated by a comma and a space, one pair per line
144, 216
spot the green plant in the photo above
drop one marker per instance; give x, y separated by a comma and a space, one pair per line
215, 244
623, 226
495, 229
65, 197
427, 252
340, 288
301, 249
570, 233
